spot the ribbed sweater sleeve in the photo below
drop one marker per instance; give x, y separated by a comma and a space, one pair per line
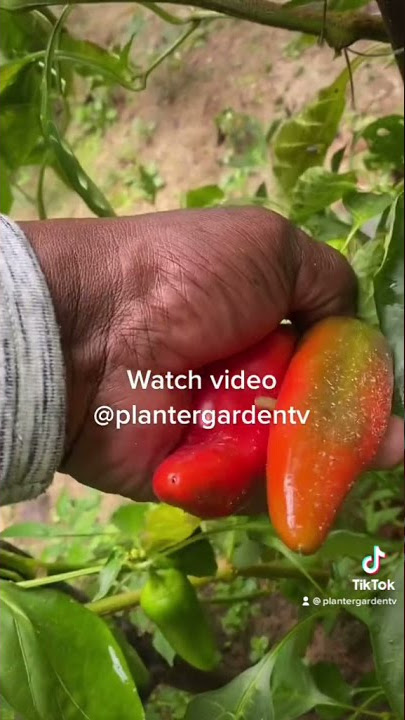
32, 383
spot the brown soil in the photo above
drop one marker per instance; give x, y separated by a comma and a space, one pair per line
233, 64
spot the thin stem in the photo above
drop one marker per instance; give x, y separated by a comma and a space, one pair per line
9, 575
47, 14
324, 16
24, 193
360, 690
387, 53
351, 81
312, 574
247, 525
169, 51
231, 599
40, 192
115, 603
270, 571
361, 709
62, 577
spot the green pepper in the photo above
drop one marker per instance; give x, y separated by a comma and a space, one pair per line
170, 601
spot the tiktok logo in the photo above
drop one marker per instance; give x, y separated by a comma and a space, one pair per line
371, 563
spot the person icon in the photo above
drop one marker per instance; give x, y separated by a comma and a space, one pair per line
305, 601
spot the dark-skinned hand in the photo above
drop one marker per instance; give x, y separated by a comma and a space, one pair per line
173, 291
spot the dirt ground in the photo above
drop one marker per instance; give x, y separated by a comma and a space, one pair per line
233, 64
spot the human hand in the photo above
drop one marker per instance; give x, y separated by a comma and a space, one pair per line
173, 291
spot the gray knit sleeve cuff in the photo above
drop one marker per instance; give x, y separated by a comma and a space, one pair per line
32, 383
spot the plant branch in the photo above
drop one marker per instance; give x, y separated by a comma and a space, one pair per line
31, 568
269, 571
232, 599
341, 30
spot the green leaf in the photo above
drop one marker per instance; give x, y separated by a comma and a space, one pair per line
6, 712
197, 559
28, 530
6, 196
337, 158
19, 117
245, 139
331, 683
298, 45
247, 552
326, 227
150, 182
22, 33
299, 561
50, 648
387, 635
389, 293
27, 681
10, 71
163, 647
91, 59
346, 543
247, 697
20, 125
205, 196
364, 206
262, 192
130, 519
139, 672
276, 688
30, 33
109, 573
365, 263
165, 526
302, 141
317, 189
294, 691
385, 140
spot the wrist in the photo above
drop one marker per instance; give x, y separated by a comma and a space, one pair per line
68, 259
32, 377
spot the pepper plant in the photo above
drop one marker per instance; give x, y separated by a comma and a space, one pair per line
75, 641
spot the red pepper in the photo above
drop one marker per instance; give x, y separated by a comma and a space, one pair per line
342, 373
213, 473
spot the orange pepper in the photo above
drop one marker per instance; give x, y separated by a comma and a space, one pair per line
342, 373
